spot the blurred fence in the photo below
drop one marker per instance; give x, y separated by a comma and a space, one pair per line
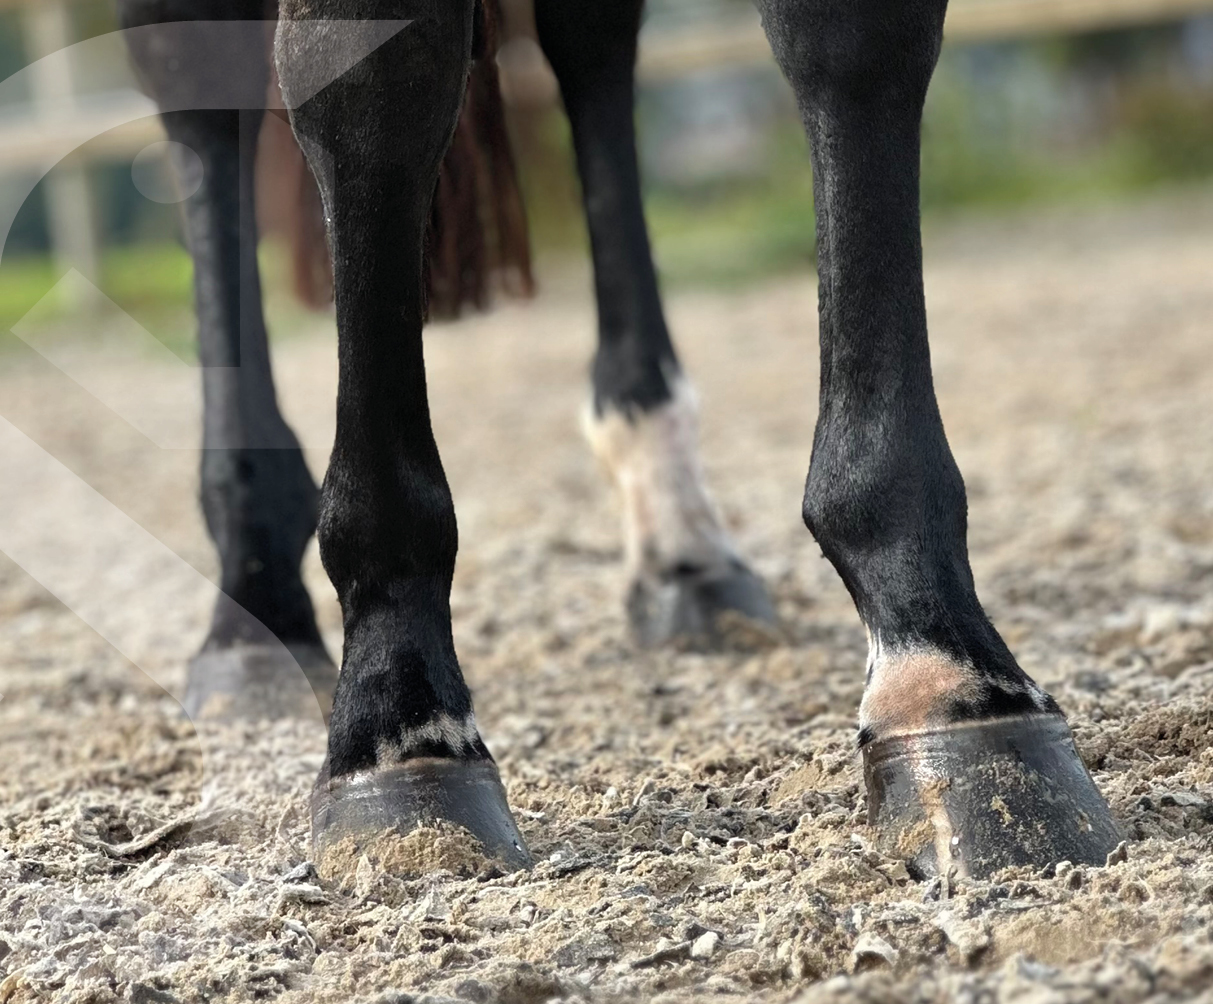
64, 102
741, 41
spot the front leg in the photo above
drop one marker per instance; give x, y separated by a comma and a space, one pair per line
969, 764
403, 744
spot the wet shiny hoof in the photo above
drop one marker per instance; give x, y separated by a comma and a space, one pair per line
708, 607
975, 797
422, 792
258, 682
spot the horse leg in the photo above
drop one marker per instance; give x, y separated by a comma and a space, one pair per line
258, 497
969, 764
685, 572
403, 743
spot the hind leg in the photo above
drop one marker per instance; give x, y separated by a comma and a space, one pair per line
257, 494
404, 748
642, 421
969, 764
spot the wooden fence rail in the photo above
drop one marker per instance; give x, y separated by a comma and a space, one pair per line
742, 42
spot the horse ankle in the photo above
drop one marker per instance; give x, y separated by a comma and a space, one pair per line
671, 523
915, 686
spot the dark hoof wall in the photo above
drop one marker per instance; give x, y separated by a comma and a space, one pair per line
979, 796
708, 607
258, 682
420, 792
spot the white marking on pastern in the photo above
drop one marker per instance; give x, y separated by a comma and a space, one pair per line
442, 730
653, 459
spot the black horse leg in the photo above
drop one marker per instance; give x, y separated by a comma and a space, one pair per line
969, 764
403, 743
257, 494
685, 571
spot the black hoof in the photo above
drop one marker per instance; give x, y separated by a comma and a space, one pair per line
256, 682
701, 606
421, 792
975, 797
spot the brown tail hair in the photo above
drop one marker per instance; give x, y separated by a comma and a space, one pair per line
478, 226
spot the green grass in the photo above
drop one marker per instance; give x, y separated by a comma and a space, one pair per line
735, 233
23, 282
149, 279
153, 283
134, 277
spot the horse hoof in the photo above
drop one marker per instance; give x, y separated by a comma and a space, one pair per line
975, 797
421, 792
702, 606
257, 682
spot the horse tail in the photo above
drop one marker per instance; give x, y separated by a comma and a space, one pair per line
478, 227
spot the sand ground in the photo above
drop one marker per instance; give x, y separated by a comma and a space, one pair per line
699, 819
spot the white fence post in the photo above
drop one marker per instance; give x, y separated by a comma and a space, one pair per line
70, 210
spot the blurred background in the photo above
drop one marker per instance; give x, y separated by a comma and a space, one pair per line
1036, 102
